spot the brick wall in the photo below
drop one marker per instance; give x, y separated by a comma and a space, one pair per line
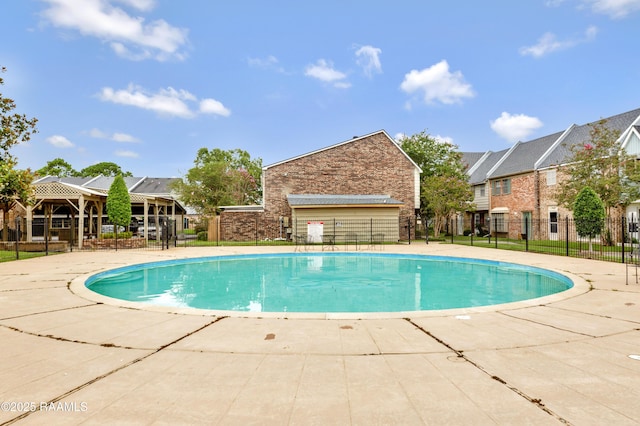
520, 199
247, 226
548, 194
372, 165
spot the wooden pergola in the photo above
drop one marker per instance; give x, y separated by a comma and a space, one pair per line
60, 198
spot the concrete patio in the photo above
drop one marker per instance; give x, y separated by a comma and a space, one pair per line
68, 356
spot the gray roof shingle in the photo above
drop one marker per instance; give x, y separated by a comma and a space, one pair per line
524, 156
479, 175
138, 185
579, 135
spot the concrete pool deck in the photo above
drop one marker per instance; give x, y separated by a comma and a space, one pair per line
67, 357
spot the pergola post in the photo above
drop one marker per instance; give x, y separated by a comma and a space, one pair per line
146, 220
100, 209
81, 206
29, 224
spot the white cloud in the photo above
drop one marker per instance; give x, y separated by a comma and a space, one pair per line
211, 106
144, 5
443, 139
549, 43
123, 137
129, 36
117, 137
515, 127
437, 84
268, 63
324, 71
59, 141
398, 137
169, 101
616, 9
98, 134
127, 154
368, 57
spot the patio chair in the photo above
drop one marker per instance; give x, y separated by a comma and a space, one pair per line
377, 239
328, 242
301, 243
349, 238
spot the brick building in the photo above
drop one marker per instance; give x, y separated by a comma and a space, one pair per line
515, 189
363, 179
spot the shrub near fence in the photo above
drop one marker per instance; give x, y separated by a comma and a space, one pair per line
619, 237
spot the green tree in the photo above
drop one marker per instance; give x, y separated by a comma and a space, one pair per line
57, 167
589, 214
15, 185
119, 204
445, 188
104, 168
603, 165
220, 178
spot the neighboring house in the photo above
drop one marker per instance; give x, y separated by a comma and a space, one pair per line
522, 181
364, 178
631, 143
513, 183
478, 220
75, 208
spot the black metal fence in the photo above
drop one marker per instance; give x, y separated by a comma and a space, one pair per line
616, 239
25, 239
258, 230
613, 239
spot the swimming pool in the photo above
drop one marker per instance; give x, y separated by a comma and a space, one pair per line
327, 282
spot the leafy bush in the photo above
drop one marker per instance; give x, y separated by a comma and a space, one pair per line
203, 236
189, 232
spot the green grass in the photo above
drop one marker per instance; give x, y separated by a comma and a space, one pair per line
9, 255
575, 249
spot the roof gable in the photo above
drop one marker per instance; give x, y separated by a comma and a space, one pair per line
523, 156
579, 135
482, 168
135, 185
382, 132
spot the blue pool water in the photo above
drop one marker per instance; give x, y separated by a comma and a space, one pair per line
332, 282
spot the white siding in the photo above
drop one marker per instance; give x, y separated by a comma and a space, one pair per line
341, 222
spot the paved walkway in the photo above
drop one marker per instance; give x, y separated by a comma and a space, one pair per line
66, 357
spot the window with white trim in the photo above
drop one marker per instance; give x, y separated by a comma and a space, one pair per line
499, 222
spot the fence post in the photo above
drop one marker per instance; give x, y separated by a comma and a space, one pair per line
256, 227
409, 228
623, 222
17, 237
566, 232
426, 230
526, 234
371, 230
450, 229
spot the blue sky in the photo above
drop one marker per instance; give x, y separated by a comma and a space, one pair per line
146, 83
